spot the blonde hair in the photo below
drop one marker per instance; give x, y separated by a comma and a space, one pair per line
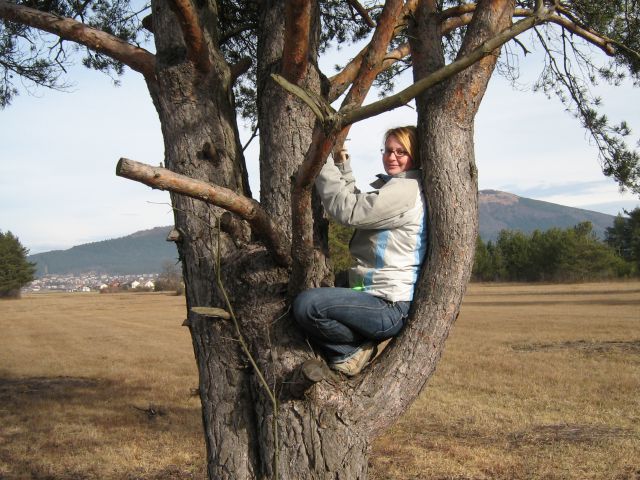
408, 138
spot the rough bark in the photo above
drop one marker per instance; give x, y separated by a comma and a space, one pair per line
201, 141
286, 124
286, 131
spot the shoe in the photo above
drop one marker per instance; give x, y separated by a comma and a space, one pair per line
380, 347
356, 362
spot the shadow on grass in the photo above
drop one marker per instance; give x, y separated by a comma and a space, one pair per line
622, 346
542, 292
567, 433
554, 302
55, 427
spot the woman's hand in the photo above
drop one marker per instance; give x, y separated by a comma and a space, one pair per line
341, 156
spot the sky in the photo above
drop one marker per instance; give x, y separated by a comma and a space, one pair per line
59, 151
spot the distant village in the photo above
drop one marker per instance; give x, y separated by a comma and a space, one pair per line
91, 282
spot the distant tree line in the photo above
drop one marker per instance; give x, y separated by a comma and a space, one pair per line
556, 255
562, 255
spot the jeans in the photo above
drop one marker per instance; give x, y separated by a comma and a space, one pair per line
340, 320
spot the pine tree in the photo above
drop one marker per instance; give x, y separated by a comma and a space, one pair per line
215, 60
624, 237
15, 270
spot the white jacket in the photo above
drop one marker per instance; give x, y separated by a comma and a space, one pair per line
390, 240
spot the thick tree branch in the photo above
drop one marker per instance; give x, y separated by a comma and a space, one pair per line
374, 55
137, 58
192, 33
295, 55
406, 95
341, 81
458, 11
348, 116
237, 69
371, 63
302, 249
600, 41
458, 16
325, 136
453, 18
246, 208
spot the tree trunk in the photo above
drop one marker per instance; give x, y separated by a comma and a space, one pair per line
201, 141
286, 129
326, 434
286, 123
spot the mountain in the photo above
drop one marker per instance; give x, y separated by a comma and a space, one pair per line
146, 251
502, 210
141, 252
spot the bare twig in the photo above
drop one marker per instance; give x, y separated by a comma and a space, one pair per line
254, 134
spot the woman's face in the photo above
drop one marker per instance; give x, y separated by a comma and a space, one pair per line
395, 158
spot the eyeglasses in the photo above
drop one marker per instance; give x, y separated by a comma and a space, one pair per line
398, 153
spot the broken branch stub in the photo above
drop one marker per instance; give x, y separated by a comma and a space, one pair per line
212, 312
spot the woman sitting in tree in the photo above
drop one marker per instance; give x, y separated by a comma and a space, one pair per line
352, 325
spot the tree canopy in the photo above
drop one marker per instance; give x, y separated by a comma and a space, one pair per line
113, 32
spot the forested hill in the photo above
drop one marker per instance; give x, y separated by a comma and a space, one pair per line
502, 210
146, 251
142, 252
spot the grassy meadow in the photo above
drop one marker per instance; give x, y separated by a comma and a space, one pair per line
536, 382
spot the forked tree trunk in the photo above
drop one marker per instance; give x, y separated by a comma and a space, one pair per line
327, 433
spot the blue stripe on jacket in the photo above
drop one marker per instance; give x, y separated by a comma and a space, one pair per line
381, 246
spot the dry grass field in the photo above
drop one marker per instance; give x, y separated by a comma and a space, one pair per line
537, 382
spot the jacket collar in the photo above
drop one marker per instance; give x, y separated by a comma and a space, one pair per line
383, 178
